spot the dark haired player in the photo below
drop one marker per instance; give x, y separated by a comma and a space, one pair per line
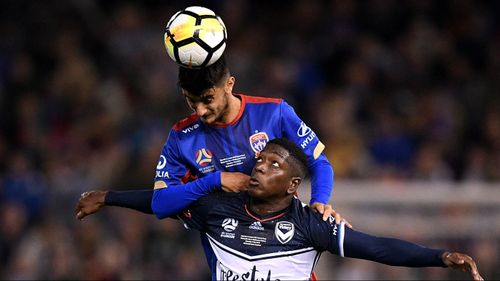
267, 234
224, 133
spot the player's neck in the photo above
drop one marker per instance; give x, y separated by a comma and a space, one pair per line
264, 208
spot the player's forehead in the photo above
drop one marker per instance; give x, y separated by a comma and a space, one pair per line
275, 150
205, 94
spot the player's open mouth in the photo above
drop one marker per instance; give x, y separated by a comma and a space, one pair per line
253, 181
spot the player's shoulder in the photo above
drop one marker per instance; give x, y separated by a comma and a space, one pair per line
187, 124
221, 200
303, 212
260, 100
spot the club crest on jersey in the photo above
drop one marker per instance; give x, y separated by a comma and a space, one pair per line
284, 231
258, 141
203, 157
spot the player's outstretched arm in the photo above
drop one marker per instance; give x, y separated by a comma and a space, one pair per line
172, 200
398, 252
91, 202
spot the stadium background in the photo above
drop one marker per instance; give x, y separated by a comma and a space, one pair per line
405, 95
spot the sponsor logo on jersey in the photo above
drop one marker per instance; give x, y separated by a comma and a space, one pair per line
162, 163
203, 157
258, 141
308, 140
332, 222
303, 130
256, 225
190, 128
162, 174
284, 231
253, 274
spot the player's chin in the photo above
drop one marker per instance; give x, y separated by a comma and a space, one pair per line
254, 190
209, 119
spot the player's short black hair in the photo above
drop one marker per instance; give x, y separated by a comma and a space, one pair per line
298, 158
197, 80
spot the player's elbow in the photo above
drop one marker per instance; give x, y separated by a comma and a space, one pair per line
159, 205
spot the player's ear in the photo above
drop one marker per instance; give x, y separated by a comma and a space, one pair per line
294, 184
228, 88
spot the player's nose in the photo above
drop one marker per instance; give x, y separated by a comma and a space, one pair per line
259, 167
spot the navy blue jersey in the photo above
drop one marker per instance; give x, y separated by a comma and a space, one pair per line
244, 246
241, 245
194, 149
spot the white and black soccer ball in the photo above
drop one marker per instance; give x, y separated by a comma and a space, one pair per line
195, 37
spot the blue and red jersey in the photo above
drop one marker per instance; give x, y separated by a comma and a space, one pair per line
194, 149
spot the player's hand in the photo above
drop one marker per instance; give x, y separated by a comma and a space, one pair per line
463, 262
89, 203
327, 210
234, 181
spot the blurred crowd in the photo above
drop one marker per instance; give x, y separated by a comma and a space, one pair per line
397, 90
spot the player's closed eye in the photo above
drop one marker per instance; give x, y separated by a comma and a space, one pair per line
208, 100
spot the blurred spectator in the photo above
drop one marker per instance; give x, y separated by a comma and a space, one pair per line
397, 91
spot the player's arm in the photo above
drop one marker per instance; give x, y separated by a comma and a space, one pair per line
91, 202
171, 200
347, 242
398, 252
171, 173
163, 202
320, 169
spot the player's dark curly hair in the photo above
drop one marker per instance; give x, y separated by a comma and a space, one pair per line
197, 80
299, 158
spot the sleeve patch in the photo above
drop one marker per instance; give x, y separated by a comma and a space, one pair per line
160, 184
318, 149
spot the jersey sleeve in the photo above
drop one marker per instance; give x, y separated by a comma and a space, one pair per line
169, 201
346, 242
170, 169
320, 170
196, 216
390, 251
326, 235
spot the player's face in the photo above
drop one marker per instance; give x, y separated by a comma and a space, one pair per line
271, 178
213, 105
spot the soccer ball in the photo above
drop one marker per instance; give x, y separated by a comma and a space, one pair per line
195, 37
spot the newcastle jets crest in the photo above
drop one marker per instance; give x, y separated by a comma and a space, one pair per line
258, 141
